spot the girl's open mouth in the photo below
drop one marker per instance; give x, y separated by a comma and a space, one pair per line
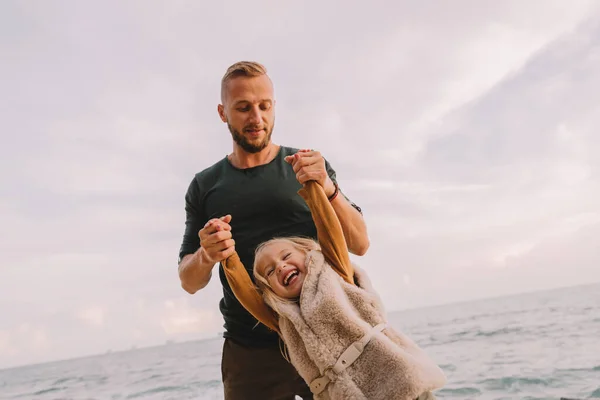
292, 275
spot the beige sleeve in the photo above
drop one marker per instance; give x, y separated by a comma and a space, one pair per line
329, 230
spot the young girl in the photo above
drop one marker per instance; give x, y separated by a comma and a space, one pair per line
335, 331
330, 318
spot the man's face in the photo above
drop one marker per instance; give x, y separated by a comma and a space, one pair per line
249, 110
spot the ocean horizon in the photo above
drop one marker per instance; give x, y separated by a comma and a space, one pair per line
534, 345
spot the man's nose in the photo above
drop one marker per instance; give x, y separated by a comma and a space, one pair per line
255, 115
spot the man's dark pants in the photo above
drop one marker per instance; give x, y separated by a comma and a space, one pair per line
259, 373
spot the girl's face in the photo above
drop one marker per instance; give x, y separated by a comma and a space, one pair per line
282, 265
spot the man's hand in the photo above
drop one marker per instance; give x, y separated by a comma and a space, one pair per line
216, 241
309, 165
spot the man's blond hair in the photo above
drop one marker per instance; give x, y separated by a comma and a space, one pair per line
248, 69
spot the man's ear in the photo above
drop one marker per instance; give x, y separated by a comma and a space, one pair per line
221, 111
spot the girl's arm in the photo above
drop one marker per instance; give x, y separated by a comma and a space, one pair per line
329, 230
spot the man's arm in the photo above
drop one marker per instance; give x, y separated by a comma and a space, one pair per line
195, 271
204, 243
352, 221
310, 165
216, 244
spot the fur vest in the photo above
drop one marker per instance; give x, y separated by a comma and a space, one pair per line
332, 314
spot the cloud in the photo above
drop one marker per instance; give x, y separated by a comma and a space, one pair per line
93, 316
5, 345
39, 340
496, 180
180, 317
23, 340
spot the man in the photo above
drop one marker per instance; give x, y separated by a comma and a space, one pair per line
246, 198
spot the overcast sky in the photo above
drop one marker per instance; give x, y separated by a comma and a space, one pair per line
464, 129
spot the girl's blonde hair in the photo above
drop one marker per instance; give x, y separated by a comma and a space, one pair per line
299, 243
271, 299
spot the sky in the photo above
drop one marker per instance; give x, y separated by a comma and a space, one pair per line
463, 129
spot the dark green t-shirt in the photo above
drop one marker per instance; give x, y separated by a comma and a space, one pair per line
264, 203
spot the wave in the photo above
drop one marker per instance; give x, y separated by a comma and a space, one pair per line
472, 335
514, 382
583, 369
448, 367
160, 389
49, 390
460, 392
66, 379
215, 383
147, 378
500, 332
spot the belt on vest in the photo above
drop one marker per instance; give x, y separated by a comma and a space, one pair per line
348, 357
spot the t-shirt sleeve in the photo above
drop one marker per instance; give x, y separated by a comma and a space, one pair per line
194, 220
332, 175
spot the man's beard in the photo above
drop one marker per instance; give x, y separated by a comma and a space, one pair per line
243, 142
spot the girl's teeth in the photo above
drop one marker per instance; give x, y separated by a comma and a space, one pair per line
288, 277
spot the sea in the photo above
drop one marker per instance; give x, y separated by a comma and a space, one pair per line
542, 345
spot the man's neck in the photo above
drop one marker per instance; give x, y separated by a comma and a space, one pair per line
242, 159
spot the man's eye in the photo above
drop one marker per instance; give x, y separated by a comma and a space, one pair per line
243, 109
265, 107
